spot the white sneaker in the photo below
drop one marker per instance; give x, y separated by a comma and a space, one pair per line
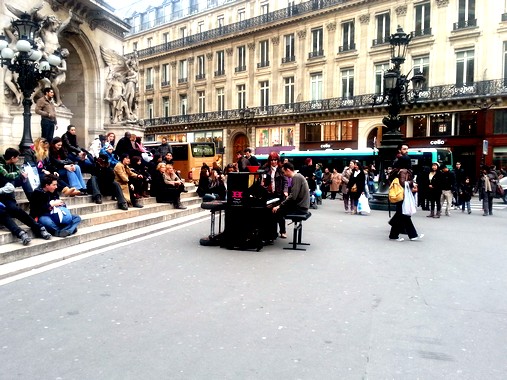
418, 237
398, 239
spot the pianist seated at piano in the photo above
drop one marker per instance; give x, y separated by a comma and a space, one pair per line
275, 182
298, 200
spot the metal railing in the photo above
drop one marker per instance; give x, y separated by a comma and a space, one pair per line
239, 69
316, 54
200, 76
347, 47
462, 24
237, 27
478, 91
421, 32
291, 58
262, 64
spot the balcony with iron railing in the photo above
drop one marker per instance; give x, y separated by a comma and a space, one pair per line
421, 32
239, 69
347, 47
234, 28
165, 83
262, 64
463, 24
182, 80
290, 58
380, 41
476, 92
316, 54
149, 87
200, 76
220, 73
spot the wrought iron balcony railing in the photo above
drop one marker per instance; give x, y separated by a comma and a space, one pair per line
149, 87
182, 80
239, 69
237, 27
316, 54
347, 47
478, 91
291, 58
219, 73
165, 83
380, 41
462, 24
262, 64
200, 76
421, 32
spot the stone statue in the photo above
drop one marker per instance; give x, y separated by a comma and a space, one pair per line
121, 86
47, 42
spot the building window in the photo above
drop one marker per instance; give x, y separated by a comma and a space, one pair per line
316, 86
422, 19
220, 21
263, 54
466, 14
312, 132
165, 38
265, 8
348, 32
274, 136
183, 104
264, 94
467, 123
164, 74
201, 68
465, 68
241, 91
347, 83
440, 124
134, 46
149, 109
500, 122
220, 63
165, 106
201, 101
317, 43
183, 71
149, 42
379, 77
288, 84
419, 126
200, 27
241, 59
505, 64
220, 99
289, 48
422, 65
383, 23
183, 32
149, 78
241, 14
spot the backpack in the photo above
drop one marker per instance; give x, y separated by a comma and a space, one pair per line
395, 191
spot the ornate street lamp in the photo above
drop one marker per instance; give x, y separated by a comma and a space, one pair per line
28, 62
396, 95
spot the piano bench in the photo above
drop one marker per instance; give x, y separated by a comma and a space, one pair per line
213, 207
297, 220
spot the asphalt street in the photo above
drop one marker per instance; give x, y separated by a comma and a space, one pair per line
353, 306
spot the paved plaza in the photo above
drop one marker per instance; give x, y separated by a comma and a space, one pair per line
353, 306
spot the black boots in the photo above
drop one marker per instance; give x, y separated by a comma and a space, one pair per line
178, 205
25, 239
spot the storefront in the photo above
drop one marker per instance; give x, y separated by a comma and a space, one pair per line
338, 134
274, 138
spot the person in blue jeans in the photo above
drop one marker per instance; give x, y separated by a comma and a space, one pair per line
66, 168
45, 201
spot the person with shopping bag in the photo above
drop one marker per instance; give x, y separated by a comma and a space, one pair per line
401, 223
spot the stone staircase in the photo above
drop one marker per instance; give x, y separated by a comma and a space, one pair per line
98, 221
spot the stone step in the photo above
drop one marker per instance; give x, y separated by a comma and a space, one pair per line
93, 214
14, 251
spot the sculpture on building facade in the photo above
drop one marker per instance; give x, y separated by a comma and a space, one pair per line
46, 40
121, 84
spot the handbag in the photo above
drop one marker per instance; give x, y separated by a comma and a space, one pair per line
363, 205
60, 215
353, 189
499, 190
409, 206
